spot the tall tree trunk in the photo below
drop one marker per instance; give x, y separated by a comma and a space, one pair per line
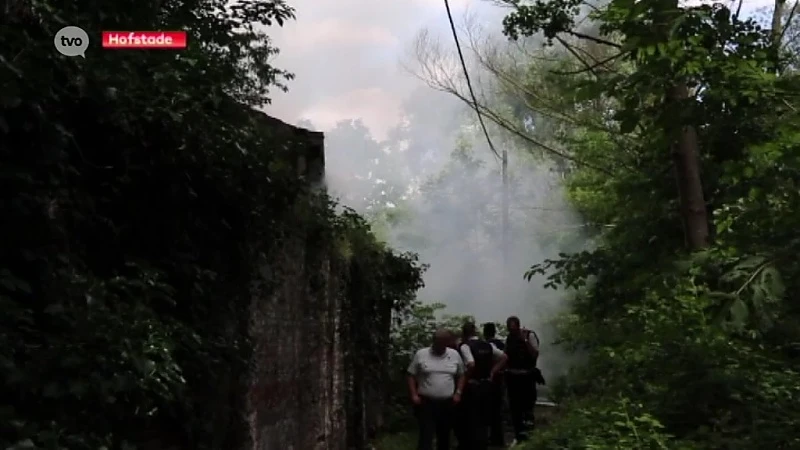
686, 156
777, 22
777, 33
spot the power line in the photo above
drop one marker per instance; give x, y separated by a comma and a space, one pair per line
469, 84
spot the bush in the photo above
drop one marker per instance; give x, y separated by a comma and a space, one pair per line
605, 423
141, 195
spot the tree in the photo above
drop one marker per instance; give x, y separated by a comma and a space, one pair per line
506, 98
361, 170
143, 196
650, 319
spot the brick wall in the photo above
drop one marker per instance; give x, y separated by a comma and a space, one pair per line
295, 399
310, 386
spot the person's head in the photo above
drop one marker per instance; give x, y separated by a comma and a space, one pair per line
512, 323
441, 339
489, 330
468, 330
452, 338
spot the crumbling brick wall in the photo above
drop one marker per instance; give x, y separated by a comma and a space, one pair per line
311, 386
296, 398
366, 335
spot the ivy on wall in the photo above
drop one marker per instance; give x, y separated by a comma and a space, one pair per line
139, 192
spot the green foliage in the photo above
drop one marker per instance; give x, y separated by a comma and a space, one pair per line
617, 424
141, 197
396, 441
704, 345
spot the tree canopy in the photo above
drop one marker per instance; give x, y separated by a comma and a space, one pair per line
675, 128
687, 306
143, 196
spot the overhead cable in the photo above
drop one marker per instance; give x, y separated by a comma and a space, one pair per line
469, 83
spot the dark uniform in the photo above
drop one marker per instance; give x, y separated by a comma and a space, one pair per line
520, 378
477, 399
497, 395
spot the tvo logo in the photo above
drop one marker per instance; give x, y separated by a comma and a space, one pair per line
71, 41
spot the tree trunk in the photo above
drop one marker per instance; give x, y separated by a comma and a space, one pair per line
685, 150
777, 22
686, 155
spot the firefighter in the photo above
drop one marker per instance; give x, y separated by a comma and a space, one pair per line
483, 361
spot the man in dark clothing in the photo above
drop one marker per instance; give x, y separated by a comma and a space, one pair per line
490, 334
537, 379
497, 391
520, 377
483, 361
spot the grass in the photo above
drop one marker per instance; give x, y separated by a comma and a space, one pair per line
407, 440
397, 441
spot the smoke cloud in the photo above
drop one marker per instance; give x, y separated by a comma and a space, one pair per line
414, 160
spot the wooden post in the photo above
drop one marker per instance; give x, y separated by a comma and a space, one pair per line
506, 225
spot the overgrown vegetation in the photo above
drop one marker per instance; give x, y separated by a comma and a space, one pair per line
141, 195
687, 308
676, 129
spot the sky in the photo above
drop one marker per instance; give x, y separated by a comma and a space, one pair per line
346, 56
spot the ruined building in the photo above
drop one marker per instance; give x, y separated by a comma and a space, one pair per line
308, 387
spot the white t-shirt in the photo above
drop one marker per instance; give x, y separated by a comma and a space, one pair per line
466, 352
436, 374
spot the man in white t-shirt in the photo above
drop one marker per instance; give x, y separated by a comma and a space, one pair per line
435, 381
